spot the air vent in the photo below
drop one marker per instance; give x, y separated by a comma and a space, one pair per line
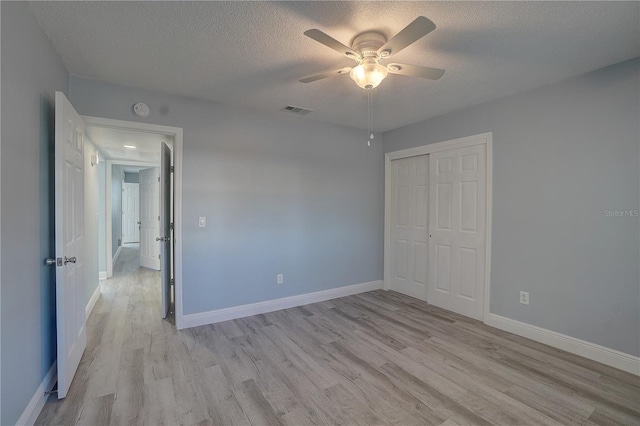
297, 110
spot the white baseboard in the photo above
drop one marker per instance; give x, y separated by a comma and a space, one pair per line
102, 275
610, 357
115, 256
92, 301
33, 409
211, 317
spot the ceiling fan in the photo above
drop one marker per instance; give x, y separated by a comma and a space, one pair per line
370, 48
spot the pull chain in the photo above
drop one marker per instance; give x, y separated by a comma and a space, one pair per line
369, 117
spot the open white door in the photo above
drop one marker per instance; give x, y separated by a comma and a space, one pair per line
165, 227
150, 218
409, 228
457, 228
130, 213
69, 230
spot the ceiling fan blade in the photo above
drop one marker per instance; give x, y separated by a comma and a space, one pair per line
341, 71
331, 42
415, 71
419, 28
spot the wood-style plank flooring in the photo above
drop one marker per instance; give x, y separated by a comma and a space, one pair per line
375, 358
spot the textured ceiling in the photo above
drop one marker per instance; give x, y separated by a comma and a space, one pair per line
252, 53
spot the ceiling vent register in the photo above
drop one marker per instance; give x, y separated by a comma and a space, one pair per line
297, 110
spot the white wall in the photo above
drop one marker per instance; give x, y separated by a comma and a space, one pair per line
91, 222
117, 177
102, 217
563, 155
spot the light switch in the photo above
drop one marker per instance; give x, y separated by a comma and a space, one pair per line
202, 221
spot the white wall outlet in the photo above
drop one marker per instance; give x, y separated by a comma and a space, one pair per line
202, 221
524, 297
280, 278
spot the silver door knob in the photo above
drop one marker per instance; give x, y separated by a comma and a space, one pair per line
162, 238
69, 260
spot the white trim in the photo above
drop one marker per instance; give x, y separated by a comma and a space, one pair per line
102, 275
595, 352
481, 139
115, 256
92, 301
177, 150
33, 409
211, 317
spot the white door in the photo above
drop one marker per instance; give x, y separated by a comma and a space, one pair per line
457, 228
69, 230
165, 227
409, 225
130, 213
150, 218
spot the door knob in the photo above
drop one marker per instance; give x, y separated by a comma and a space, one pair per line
162, 238
69, 260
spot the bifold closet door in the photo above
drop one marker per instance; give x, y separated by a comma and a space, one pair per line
457, 222
409, 225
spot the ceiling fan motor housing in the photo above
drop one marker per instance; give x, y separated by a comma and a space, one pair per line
367, 44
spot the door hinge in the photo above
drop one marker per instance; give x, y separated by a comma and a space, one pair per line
158, 217
171, 226
171, 169
172, 282
158, 178
158, 256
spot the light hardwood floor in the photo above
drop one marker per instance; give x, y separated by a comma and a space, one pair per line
375, 358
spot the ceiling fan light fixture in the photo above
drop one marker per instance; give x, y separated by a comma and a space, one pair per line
369, 75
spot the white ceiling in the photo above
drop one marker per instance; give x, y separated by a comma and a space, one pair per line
111, 143
252, 53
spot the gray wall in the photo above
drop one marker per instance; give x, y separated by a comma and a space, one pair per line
563, 154
117, 175
282, 194
131, 177
31, 72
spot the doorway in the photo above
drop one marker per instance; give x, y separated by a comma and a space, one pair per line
438, 224
124, 167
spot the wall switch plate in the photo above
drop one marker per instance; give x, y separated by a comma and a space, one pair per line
202, 221
524, 297
280, 278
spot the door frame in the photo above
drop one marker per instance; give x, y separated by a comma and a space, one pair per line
176, 133
480, 139
109, 221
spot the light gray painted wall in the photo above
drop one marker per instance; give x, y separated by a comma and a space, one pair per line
91, 223
117, 175
131, 177
31, 72
102, 226
281, 193
563, 154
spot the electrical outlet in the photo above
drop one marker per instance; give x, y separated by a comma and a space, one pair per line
524, 297
280, 278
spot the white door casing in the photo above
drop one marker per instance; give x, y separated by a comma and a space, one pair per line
69, 240
150, 218
409, 225
130, 213
457, 219
165, 227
